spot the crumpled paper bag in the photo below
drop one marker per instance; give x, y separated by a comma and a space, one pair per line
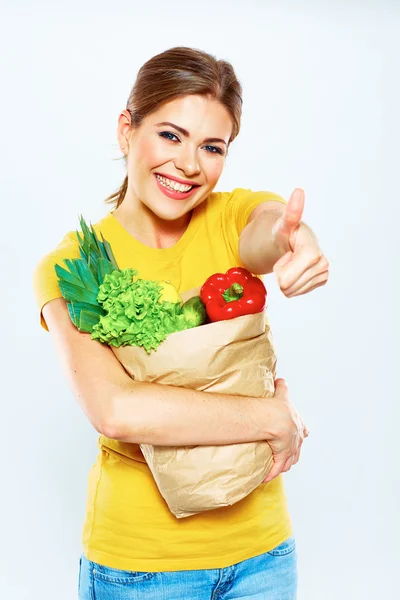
237, 357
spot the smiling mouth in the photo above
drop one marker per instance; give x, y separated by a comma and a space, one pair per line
174, 186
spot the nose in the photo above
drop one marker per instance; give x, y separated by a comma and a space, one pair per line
187, 161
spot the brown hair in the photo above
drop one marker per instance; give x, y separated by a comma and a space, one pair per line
178, 72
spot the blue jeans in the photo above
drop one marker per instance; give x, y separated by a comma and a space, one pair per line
269, 576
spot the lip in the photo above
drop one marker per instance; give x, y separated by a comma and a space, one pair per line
175, 195
183, 181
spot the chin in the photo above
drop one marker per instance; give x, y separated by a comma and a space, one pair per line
169, 214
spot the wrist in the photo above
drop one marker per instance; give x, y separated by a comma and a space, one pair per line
264, 417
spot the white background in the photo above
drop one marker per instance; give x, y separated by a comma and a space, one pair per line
321, 112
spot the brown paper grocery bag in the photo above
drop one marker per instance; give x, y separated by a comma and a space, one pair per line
237, 357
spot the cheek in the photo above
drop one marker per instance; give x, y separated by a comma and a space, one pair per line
149, 153
214, 170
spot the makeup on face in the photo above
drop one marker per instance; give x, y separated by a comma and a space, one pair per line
179, 151
174, 188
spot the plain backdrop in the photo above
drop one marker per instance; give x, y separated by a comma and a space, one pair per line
321, 112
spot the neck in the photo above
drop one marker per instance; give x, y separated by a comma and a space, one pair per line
148, 228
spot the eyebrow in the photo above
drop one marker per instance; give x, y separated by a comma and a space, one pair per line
187, 134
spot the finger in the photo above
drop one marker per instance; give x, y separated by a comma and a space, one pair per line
288, 464
281, 264
298, 451
283, 261
293, 210
320, 268
276, 469
312, 285
289, 274
296, 456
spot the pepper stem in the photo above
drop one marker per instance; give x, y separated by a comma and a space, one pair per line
235, 292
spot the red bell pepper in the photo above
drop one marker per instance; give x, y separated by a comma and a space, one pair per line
233, 294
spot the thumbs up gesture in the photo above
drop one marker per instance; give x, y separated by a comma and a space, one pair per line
303, 267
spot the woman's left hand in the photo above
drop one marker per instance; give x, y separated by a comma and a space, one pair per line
303, 267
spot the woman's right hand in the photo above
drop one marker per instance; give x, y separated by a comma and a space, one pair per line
288, 431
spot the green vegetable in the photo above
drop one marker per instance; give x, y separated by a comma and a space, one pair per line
137, 316
80, 284
115, 306
194, 312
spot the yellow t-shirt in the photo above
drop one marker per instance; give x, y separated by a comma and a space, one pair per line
128, 524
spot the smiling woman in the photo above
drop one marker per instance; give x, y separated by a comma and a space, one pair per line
165, 165
167, 222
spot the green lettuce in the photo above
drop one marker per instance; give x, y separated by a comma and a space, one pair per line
135, 315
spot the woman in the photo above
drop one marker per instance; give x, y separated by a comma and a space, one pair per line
182, 114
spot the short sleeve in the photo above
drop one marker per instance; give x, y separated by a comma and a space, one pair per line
45, 282
242, 202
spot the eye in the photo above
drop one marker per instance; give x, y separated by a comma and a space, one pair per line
166, 134
214, 150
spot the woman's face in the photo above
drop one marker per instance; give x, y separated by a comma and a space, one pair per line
185, 139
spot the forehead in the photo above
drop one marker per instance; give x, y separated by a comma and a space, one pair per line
198, 114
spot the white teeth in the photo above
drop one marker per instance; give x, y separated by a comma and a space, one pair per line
173, 185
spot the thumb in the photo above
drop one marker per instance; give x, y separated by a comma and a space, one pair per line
294, 210
279, 381
281, 388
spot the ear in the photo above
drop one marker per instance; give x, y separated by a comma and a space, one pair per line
124, 129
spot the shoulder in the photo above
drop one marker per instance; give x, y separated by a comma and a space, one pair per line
68, 247
236, 206
240, 199
44, 277
246, 195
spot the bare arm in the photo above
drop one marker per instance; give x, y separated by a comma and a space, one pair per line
257, 247
276, 239
137, 412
